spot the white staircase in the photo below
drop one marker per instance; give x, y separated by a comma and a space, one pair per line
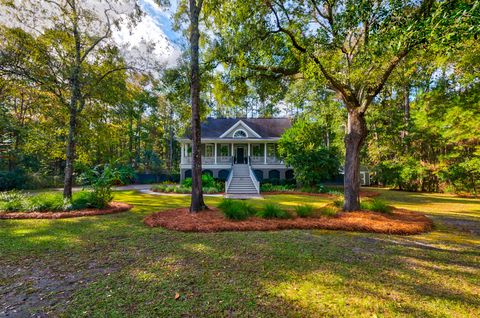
241, 181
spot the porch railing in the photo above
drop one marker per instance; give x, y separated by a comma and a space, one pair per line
256, 183
229, 179
257, 160
210, 160
226, 160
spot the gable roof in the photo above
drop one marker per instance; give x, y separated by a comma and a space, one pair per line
242, 126
264, 127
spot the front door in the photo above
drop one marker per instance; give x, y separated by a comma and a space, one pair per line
240, 155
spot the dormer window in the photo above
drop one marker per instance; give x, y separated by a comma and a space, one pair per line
240, 134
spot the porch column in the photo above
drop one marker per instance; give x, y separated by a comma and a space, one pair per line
215, 145
232, 150
265, 153
248, 151
182, 153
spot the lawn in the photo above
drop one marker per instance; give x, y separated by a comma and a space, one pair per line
115, 266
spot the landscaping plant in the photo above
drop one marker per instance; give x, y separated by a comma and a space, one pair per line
376, 205
304, 211
328, 211
271, 211
236, 209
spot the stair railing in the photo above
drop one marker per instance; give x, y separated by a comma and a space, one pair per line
256, 183
230, 177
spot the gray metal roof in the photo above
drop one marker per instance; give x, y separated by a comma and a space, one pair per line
266, 127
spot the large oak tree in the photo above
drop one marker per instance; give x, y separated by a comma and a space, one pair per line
351, 46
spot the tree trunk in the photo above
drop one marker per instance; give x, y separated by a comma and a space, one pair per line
197, 203
356, 133
170, 144
75, 99
68, 182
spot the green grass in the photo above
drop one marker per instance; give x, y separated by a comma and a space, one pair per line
129, 270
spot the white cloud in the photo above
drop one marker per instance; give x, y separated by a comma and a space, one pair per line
151, 39
147, 40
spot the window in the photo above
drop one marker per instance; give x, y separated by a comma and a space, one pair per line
272, 150
240, 134
224, 150
257, 150
209, 150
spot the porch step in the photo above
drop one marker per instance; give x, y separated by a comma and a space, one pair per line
241, 182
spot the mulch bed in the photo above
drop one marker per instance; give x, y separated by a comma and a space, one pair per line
114, 207
398, 222
363, 194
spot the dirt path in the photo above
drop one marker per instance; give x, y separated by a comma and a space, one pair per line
34, 288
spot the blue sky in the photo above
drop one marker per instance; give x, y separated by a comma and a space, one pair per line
162, 18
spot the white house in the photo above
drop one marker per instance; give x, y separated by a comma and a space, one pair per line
241, 151
245, 146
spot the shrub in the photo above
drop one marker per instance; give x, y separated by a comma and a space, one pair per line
90, 199
304, 211
376, 205
15, 201
309, 189
322, 189
236, 210
338, 203
271, 210
268, 187
52, 201
303, 148
12, 201
335, 192
158, 188
210, 190
209, 185
328, 211
207, 182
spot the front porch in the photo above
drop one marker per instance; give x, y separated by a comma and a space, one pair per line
226, 154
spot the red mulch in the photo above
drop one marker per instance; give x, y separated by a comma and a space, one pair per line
363, 194
114, 207
398, 222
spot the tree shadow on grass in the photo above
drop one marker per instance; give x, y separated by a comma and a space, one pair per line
288, 273
248, 274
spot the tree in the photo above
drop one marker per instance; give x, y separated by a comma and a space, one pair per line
197, 203
74, 53
305, 148
351, 46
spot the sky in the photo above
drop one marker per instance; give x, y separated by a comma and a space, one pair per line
155, 27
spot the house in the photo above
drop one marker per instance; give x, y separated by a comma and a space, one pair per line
243, 152
245, 146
